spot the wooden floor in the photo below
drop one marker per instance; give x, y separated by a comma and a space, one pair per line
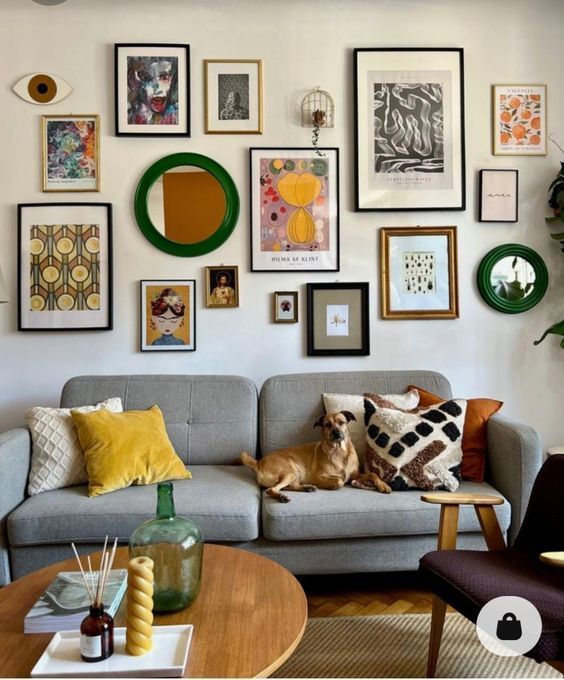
365, 594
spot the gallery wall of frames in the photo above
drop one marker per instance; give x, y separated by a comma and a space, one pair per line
188, 194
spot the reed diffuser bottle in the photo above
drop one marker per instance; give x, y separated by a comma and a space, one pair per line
175, 545
97, 635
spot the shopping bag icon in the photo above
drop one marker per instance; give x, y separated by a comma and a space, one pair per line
509, 628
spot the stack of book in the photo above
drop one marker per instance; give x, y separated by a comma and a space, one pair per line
66, 602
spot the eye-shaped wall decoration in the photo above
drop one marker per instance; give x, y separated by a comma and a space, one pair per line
512, 278
42, 88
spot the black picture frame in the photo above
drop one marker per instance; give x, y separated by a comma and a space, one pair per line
293, 260
322, 343
504, 192
378, 190
120, 97
26, 275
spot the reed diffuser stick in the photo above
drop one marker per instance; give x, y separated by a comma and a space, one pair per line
96, 594
86, 584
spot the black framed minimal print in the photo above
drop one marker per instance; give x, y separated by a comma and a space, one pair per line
409, 128
337, 319
499, 195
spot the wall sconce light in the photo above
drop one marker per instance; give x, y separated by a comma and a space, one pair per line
318, 110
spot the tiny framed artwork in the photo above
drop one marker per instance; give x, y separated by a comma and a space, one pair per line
294, 210
519, 120
222, 286
168, 315
337, 319
71, 153
64, 266
499, 199
285, 306
409, 128
152, 90
233, 96
418, 269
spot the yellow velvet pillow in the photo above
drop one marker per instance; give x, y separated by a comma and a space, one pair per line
121, 449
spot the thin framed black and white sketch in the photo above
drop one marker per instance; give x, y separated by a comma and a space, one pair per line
409, 129
499, 195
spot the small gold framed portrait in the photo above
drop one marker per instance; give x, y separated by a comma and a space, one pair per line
222, 286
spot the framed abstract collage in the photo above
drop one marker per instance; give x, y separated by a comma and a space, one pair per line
409, 129
64, 266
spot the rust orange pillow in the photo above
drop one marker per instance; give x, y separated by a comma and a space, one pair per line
474, 435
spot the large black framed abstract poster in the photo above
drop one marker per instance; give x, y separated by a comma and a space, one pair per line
409, 129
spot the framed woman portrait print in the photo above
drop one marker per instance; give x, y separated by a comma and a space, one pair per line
222, 286
418, 270
233, 96
409, 128
168, 315
152, 90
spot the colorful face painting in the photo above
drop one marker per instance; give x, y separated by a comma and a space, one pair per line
294, 195
167, 316
70, 153
152, 90
64, 268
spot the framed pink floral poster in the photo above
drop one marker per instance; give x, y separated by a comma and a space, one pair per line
294, 209
519, 120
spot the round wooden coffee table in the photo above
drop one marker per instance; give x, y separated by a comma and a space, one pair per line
248, 618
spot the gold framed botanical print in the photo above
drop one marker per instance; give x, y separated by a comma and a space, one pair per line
71, 153
418, 270
233, 96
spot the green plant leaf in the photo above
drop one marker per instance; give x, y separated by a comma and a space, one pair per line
555, 329
559, 236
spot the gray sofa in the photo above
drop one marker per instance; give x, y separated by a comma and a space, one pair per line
210, 420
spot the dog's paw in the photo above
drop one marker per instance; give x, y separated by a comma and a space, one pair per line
310, 488
362, 484
384, 488
283, 499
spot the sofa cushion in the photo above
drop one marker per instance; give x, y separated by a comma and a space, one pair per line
222, 499
351, 513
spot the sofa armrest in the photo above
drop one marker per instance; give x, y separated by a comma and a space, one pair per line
15, 457
514, 459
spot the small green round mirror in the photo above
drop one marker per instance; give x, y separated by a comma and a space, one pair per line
512, 278
186, 204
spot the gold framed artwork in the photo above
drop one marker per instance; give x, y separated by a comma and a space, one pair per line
418, 269
64, 266
519, 120
222, 286
233, 96
285, 306
168, 315
71, 153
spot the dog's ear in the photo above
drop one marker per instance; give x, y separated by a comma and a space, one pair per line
319, 422
349, 416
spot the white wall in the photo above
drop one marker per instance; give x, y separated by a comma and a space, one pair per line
302, 44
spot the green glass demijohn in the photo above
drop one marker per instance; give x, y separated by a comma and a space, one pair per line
175, 545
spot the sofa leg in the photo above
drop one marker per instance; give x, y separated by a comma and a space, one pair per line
437, 623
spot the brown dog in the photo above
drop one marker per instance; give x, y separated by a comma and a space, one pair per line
328, 464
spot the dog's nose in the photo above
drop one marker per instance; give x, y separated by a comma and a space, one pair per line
337, 435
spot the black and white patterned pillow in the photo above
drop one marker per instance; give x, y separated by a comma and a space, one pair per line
417, 449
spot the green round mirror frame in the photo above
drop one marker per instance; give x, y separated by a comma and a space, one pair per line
519, 298
156, 237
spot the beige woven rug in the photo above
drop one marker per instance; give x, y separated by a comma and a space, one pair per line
396, 647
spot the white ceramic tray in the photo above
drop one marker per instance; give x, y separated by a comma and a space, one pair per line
167, 659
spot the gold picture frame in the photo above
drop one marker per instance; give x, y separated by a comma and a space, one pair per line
233, 96
285, 306
519, 120
418, 273
222, 286
70, 152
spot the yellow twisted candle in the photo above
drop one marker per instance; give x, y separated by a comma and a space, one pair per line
139, 629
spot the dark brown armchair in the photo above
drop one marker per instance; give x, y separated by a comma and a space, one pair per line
468, 579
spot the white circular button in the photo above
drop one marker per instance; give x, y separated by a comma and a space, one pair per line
509, 626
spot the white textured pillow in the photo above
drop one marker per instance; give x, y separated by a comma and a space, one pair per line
355, 404
56, 457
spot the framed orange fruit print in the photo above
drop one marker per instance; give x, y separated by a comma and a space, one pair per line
519, 120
